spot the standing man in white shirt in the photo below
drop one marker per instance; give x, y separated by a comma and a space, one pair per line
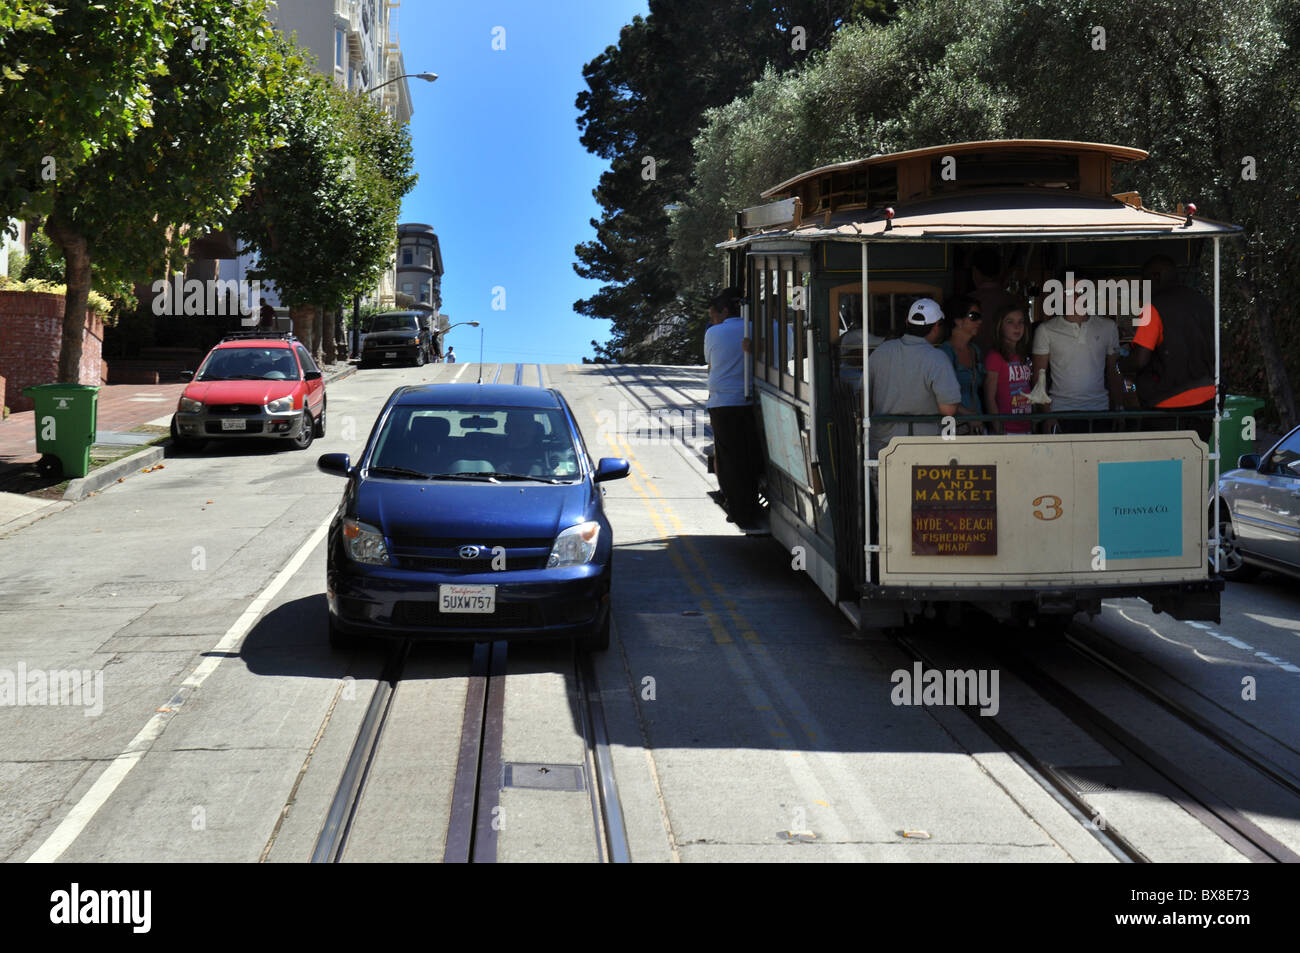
736, 452
1080, 350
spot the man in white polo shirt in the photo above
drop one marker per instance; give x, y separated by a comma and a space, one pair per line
909, 375
1080, 350
736, 451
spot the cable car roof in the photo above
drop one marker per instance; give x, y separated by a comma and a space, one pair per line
957, 149
1023, 215
1008, 190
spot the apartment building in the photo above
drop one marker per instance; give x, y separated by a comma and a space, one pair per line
355, 42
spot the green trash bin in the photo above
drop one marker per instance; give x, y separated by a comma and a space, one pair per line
66, 417
1232, 442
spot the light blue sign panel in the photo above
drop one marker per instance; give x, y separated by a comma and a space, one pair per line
1140, 509
784, 444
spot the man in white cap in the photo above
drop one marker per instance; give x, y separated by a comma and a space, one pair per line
910, 375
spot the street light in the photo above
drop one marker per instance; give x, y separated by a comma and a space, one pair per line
443, 333
427, 77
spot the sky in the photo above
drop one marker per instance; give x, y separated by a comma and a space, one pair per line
503, 178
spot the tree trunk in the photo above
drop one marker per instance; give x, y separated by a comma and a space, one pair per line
1279, 385
303, 317
76, 276
327, 337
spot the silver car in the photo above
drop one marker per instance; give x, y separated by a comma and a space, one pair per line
1259, 512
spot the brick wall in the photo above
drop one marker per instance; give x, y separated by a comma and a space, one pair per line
31, 330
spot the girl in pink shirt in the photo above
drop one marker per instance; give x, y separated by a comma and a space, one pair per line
1008, 369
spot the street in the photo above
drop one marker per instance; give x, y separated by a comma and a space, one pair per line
747, 719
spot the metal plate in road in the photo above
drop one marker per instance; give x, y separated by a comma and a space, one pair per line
546, 777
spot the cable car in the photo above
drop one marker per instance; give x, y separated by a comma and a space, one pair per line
1031, 527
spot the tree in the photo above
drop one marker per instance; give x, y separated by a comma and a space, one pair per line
322, 214
643, 105
74, 80
131, 206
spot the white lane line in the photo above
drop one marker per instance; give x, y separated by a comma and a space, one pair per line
455, 377
1281, 663
1275, 621
85, 809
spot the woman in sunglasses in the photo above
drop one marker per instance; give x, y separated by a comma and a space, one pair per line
963, 323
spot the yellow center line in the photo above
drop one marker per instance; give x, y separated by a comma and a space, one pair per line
644, 487
738, 619
720, 634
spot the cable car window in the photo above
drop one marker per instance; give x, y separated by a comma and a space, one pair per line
794, 324
774, 313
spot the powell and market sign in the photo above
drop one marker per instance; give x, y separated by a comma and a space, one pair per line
954, 511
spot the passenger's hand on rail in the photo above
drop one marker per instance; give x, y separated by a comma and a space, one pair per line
744, 345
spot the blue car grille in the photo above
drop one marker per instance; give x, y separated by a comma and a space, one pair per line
456, 564
507, 615
433, 554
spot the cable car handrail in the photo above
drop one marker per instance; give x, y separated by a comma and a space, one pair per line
1054, 415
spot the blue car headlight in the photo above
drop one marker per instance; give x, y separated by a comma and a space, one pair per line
574, 546
364, 543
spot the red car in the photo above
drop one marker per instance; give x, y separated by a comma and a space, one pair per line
253, 385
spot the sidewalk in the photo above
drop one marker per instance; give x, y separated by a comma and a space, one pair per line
122, 408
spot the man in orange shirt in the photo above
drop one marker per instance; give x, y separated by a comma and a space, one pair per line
1173, 349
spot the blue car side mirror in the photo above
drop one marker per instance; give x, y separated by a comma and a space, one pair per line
611, 468
1248, 461
337, 463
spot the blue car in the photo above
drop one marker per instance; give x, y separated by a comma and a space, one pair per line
473, 514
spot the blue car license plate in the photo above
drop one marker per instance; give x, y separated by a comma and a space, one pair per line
478, 599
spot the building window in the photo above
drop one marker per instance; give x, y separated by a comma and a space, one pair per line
408, 287
338, 49
406, 256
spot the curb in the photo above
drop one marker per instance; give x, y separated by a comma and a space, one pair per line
107, 475
346, 372
27, 519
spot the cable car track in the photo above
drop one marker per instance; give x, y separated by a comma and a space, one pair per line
1209, 808
472, 829
333, 838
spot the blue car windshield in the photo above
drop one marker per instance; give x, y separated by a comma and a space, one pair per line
461, 441
249, 363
